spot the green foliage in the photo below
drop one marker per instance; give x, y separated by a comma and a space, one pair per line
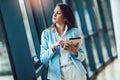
4, 72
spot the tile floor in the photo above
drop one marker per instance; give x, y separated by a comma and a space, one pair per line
111, 72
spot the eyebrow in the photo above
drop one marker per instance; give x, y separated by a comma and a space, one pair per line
58, 11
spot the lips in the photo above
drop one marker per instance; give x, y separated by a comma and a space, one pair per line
54, 18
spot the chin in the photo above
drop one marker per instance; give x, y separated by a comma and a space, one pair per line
54, 21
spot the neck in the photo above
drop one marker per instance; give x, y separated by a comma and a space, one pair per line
60, 28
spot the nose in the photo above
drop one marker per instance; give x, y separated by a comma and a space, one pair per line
54, 14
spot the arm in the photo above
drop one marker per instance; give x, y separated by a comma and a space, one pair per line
76, 51
81, 54
46, 52
81, 49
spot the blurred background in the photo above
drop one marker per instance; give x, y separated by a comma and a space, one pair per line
21, 25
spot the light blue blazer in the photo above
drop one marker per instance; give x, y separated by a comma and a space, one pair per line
50, 58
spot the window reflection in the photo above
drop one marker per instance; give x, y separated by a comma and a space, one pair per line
109, 26
28, 31
112, 42
95, 52
87, 17
104, 49
106, 14
88, 22
27, 28
5, 68
78, 22
96, 14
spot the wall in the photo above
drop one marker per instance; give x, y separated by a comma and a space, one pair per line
115, 6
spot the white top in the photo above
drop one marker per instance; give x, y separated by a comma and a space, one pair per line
64, 58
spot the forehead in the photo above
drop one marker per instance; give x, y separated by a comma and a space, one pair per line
57, 8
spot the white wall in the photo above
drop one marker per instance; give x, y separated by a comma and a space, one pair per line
115, 5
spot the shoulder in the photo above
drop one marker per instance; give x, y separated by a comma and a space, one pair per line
76, 31
46, 31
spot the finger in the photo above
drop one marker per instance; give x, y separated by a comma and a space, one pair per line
65, 48
60, 42
62, 45
68, 44
72, 44
68, 49
77, 45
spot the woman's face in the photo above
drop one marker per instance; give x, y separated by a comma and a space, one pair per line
57, 16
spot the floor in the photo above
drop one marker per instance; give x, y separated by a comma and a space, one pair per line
111, 72
10, 77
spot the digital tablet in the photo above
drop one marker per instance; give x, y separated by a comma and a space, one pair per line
75, 40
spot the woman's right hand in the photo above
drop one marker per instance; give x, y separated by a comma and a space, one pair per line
59, 43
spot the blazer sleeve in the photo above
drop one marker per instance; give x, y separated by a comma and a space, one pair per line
81, 53
81, 49
46, 53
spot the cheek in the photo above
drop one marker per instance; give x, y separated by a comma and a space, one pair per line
60, 18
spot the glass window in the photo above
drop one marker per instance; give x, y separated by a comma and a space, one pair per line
28, 32
90, 73
106, 14
5, 68
104, 49
87, 17
48, 7
109, 26
76, 14
78, 22
95, 52
27, 28
96, 14
112, 42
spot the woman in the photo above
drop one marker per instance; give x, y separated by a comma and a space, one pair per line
64, 60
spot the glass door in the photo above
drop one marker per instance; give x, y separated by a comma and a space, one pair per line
5, 68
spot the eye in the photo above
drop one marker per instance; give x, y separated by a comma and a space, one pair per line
59, 12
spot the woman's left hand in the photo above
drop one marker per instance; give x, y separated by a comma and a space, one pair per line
72, 48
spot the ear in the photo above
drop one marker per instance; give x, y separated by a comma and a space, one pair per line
65, 20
